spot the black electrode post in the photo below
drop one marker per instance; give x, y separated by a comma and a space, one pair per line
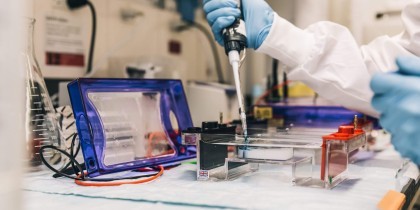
76, 4
268, 88
275, 95
285, 88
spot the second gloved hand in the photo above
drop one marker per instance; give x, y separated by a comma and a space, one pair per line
258, 17
397, 98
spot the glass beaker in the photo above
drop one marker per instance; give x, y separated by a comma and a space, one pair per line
41, 122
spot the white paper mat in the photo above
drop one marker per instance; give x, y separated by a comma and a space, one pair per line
177, 188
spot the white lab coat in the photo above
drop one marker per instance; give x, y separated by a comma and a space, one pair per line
327, 58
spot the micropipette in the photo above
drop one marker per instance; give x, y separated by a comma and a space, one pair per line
234, 38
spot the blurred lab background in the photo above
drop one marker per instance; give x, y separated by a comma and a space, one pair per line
171, 39
150, 39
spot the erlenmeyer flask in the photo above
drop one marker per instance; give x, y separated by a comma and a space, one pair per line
41, 122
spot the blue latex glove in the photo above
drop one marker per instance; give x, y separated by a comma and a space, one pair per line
258, 17
397, 98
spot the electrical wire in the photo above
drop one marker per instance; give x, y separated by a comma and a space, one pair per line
72, 154
77, 164
80, 176
115, 48
92, 39
118, 182
213, 47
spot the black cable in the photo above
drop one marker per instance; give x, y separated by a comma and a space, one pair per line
92, 39
76, 4
72, 152
41, 153
76, 167
213, 46
66, 167
79, 168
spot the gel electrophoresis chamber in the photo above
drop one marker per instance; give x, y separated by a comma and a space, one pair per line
127, 124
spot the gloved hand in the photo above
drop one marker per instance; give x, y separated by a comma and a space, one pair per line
258, 17
397, 98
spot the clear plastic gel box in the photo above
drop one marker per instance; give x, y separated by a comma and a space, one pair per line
310, 157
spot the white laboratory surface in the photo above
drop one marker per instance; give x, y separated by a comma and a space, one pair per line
178, 189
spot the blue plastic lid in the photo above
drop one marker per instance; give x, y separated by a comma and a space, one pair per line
125, 124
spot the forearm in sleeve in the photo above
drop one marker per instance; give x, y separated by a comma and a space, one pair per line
326, 57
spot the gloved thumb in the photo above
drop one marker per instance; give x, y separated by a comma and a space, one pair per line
409, 65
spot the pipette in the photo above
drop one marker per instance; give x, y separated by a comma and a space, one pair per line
234, 38
235, 63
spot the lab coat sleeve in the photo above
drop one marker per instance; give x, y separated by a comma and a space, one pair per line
327, 58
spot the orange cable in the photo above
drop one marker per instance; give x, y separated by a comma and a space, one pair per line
119, 182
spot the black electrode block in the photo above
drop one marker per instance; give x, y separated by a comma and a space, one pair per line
213, 155
210, 125
193, 130
255, 126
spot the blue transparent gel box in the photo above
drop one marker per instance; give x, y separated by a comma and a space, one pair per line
126, 124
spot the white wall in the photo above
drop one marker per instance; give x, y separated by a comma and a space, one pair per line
120, 42
364, 24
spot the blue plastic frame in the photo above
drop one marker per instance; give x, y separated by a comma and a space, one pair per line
90, 128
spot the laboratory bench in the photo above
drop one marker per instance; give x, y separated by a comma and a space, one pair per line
369, 181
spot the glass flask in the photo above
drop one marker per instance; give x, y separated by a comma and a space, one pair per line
41, 122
